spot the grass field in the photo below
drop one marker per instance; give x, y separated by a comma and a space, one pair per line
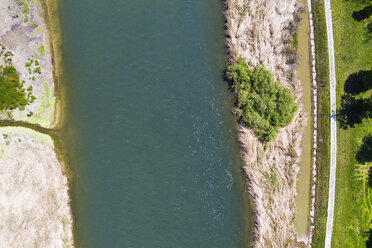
353, 206
353, 52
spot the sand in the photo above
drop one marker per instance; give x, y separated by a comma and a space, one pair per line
260, 31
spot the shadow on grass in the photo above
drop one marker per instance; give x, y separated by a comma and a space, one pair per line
362, 14
358, 82
353, 110
369, 241
364, 155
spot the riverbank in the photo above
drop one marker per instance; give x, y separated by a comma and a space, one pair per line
37, 188
262, 32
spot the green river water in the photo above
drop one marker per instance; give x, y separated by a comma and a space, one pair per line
149, 137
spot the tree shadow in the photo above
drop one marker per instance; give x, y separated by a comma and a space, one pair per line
364, 155
369, 241
358, 82
362, 14
352, 111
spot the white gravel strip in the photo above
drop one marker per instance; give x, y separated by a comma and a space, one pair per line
315, 122
332, 78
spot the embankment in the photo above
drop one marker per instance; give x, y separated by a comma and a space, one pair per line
34, 197
262, 32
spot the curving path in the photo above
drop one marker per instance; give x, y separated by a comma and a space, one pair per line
332, 79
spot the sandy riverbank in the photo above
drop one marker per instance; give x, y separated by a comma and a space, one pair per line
34, 200
261, 31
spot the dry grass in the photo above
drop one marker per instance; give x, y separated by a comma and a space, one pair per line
261, 31
34, 202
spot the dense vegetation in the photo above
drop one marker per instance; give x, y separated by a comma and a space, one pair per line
263, 104
12, 93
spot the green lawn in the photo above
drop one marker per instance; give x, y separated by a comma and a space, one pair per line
353, 52
353, 206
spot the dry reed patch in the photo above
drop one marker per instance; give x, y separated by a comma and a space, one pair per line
261, 31
34, 201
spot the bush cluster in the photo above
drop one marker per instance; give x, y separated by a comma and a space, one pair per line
262, 103
12, 93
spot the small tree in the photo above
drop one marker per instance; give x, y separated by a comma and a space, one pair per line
12, 93
263, 104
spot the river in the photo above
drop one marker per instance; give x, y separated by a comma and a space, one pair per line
149, 135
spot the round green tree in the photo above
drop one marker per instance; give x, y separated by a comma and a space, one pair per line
263, 104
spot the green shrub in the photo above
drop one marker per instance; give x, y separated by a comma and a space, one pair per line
33, 98
37, 70
12, 93
41, 50
263, 104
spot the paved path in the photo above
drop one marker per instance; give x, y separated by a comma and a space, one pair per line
332, 79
